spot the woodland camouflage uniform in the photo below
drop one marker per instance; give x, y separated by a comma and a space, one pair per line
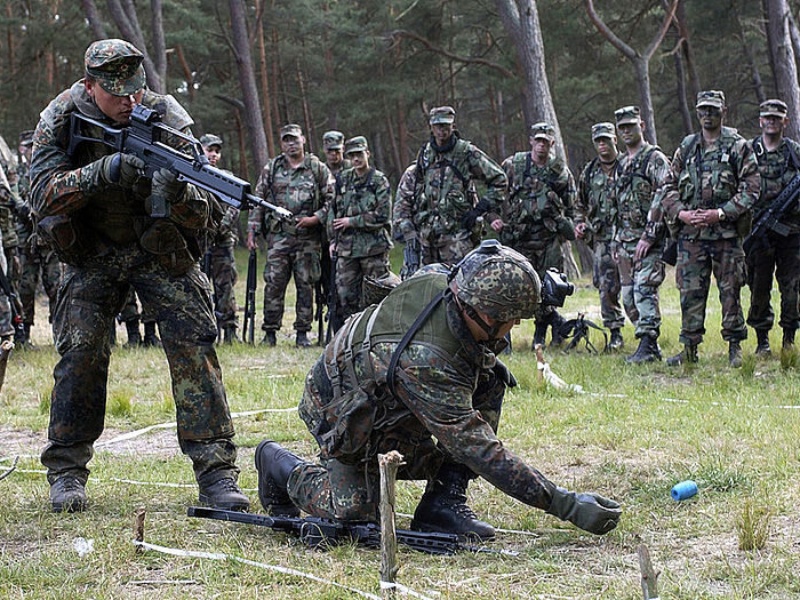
104, 233
6, 326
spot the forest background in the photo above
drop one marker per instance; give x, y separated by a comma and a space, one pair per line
375, 67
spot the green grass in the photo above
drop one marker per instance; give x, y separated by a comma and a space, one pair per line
633, 434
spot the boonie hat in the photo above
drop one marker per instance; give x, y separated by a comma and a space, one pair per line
543, 130
627, 114
116, 65
715, 98
356, 144
333, 140
604, 129
442, 114
773, 108
292, 129
210, 139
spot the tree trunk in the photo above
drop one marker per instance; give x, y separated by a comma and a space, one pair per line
95, 22
783, 60
247, 81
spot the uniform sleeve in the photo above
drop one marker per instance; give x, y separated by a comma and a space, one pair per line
487, 170
670, 198
749, 179
659, 173
403, 210
256, 215
327, 189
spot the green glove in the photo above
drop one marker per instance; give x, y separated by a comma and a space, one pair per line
589, 511
166, 190
114, 170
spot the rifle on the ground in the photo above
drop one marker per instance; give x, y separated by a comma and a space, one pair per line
248, 326
316, 532
770, 217
411, 258
14, 302
144, 138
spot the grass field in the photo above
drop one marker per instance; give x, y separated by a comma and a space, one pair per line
631, 435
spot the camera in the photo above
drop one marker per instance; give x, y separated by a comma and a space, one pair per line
555, 288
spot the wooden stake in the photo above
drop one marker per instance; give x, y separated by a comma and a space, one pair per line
649, 576
138, 527
388, 465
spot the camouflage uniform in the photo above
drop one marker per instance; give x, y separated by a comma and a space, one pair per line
596, 207
721, 176
6, 326
291, 250
438, 198
37, 259
362, 250
639, 186
778, 251
538, 215
105, 235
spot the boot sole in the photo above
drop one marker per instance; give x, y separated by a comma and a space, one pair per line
469, 536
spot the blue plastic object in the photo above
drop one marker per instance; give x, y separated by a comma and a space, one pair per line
683, 490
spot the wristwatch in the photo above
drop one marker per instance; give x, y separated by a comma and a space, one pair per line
721, 214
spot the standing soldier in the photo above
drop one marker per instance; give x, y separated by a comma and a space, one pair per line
358, 224
95, 206
6, 324
435, 203
335, 159
714, 185
595, 221
778, 251
641, 233
302, 184
38, 261
539, 214
222, 268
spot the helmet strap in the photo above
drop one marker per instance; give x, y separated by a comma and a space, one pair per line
490, 330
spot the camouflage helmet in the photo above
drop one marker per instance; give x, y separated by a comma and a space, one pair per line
498, 281
375, 289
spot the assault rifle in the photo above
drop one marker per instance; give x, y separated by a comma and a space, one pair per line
769, 218
411, 258
248, 326
316, 532
144, 138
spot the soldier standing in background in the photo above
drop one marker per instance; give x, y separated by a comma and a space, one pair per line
6, 325
359, 225
778, 251
222, 260
302, 184
641, 233
436, 200
714, 185
595, 221
538, 215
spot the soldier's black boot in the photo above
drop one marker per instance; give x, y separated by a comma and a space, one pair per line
762, 343
134, 335
301, 341
648, 351
443, 506
615, 342
788, 339
735, 354
556, 334
685, 356
229, 334
68, 494
274, 464
150, 338
269, 339
22, 338
224, 494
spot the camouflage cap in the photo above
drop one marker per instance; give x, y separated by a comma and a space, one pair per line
714, 98
356, 144
604, 129
773, 108
116, 65
291, 130
333, 140
210, 139
26, 137
543, 130
628, 114
498, 281
442, 114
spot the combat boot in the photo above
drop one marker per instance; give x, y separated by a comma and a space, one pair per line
443, 506
301, 341
229, 334
735, 354
150, 338
556, 334
269, 339
224, 494
68, 494
274, 465
685, 356
616, 342
648, 351
762, 343
788, 339
134, 335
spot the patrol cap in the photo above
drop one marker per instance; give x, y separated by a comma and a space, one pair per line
628, 114
291, 130
442, 114
356, 144
715, 98
116, 65
773, 108
543, 130
210, 139
604, 129
333, 140
26, 137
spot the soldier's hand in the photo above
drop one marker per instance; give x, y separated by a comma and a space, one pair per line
471, 217
251, 240
588, 511
642, 248
122, 170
